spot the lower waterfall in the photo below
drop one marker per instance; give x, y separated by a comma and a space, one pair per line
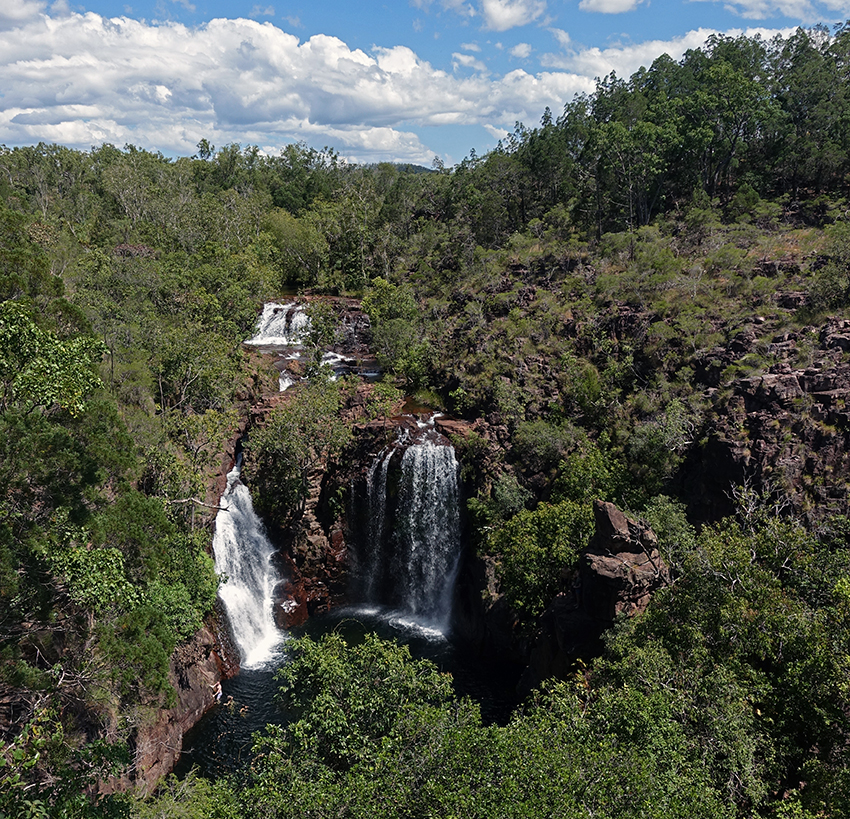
406, 549
243, 558
411, 553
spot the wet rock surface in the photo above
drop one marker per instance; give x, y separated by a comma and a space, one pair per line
313, 560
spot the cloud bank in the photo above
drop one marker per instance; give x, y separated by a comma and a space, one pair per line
82, 79
806, 11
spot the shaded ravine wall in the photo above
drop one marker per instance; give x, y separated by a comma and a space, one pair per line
196, 667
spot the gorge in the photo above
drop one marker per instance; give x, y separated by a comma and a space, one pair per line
406, 547
569, 420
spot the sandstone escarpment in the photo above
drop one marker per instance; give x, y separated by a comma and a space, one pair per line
784, 430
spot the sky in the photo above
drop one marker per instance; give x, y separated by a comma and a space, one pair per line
403, 81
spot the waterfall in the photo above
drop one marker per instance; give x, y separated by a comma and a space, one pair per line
412, 549
376, 489
243, 555
280, 325
282, 328
428, 530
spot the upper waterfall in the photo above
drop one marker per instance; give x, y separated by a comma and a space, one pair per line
243, 557
280, 325
283, 330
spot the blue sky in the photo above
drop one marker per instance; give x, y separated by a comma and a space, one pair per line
401, 81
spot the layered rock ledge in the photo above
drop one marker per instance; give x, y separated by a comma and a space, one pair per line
616, 576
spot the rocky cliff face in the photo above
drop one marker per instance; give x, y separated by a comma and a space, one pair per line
313, 558
197, 668
616, 576
784, 430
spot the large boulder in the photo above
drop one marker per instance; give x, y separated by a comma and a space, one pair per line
621, 566
616, 576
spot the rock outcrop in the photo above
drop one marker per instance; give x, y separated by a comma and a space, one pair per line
616, 575
313, 561
621, 566
784, 430
196, 671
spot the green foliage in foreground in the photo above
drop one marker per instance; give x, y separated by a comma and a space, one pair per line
728, 693
100, 575
380, 735
750, 646
728, 698
64, 788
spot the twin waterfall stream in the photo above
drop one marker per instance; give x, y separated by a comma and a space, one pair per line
410, 560
243, 558
406, 564
404, 550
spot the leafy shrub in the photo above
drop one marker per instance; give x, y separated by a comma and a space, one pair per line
507, 497
589, 473
542, 445
535, 551
343, 697
137, 647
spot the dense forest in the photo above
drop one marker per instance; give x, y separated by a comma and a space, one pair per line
607, 290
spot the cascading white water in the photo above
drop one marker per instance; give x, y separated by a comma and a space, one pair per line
280, 325
286, 326
376, 489
243, 555
412, 551
428, 530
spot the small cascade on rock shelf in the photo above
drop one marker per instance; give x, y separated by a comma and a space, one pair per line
283, 329
280, 325
243, 555
412, 551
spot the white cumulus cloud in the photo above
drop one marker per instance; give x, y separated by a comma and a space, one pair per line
467, 61
806, 11
500, 15
609, 6
628, 58
521, 51
562, 37
496, 133
14, 12
82, 79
